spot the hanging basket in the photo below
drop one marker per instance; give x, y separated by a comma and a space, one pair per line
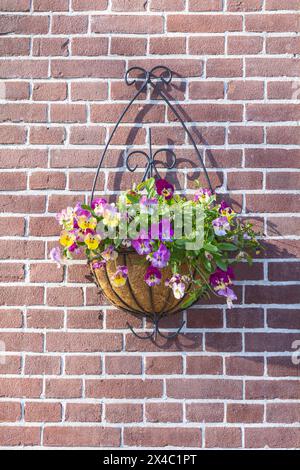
136, 296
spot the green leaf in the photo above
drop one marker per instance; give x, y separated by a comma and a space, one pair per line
210, 248
227, 247
86, 207
222, 264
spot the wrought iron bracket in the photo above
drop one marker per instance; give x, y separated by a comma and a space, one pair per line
156, 329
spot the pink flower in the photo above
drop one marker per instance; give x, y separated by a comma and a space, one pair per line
160, 258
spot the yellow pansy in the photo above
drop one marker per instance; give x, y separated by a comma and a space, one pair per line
87, 223
67, 239
92, 241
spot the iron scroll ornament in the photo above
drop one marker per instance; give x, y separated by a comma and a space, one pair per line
156, 78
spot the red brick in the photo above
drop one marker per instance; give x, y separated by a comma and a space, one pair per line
127, 5
83, 412
162, 437
204, 23
11, 272
43, 412
20, 388
25, 24
87, 319
278, 226
57, 202
272, 203
83, 342
269, 341
85, 5
15, 5
283, 45
224, 68
272, 67
11, 365
206, 90
283, 318
184, 67
272, 437
42, 365
43, 226
81, 436
272, 389
273, 112
128, 46
204, 45
223, 437
280, 5
23, 112
50, 47
283, 135
156, 365
161, 45
26, 204
167, 5
282, 366
283, 412
204, 388
12, 227
14, 46
272, 23
22, 295
63, 388
68, 113
245, 45
89, 46
205, 5
49, 91
244, 5
283, 181
20, 436
164, 412
188, 342
87, 135
123, 412
45, 318
124, 24
22, 249
204, 365
24, 68
84, 182
272, 158
245, 90
47, 180
244, 180
83, 365
13, 181
50, 5
199, 318
10, 412
17, 91
116, 365
66, 24
223, 341
127, 388
22, 341
237, 365
26, 158
210, 112
47, 135
245, 318
244, 413
245, 135
45, 272
286, 294
111, 112
11, 318
79, 68
205, 412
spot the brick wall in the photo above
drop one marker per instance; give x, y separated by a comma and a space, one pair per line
72, 374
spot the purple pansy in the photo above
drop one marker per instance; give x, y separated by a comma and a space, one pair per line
220, 280
202, 195
152, 276
160, 258
221, 226
98, 205
99, 264
55, 255
225, 209
162, 231
164, 188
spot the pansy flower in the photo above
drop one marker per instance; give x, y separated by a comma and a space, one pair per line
66, 218
160, 258
120, 277
164, 188
87, 223
152, 276
225, 209
109, 254
98, 264
111, 216
55, 255
67, 239
202, 195
220, 280
177, 284
92, 241
221, 226
98, 206
162, 231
